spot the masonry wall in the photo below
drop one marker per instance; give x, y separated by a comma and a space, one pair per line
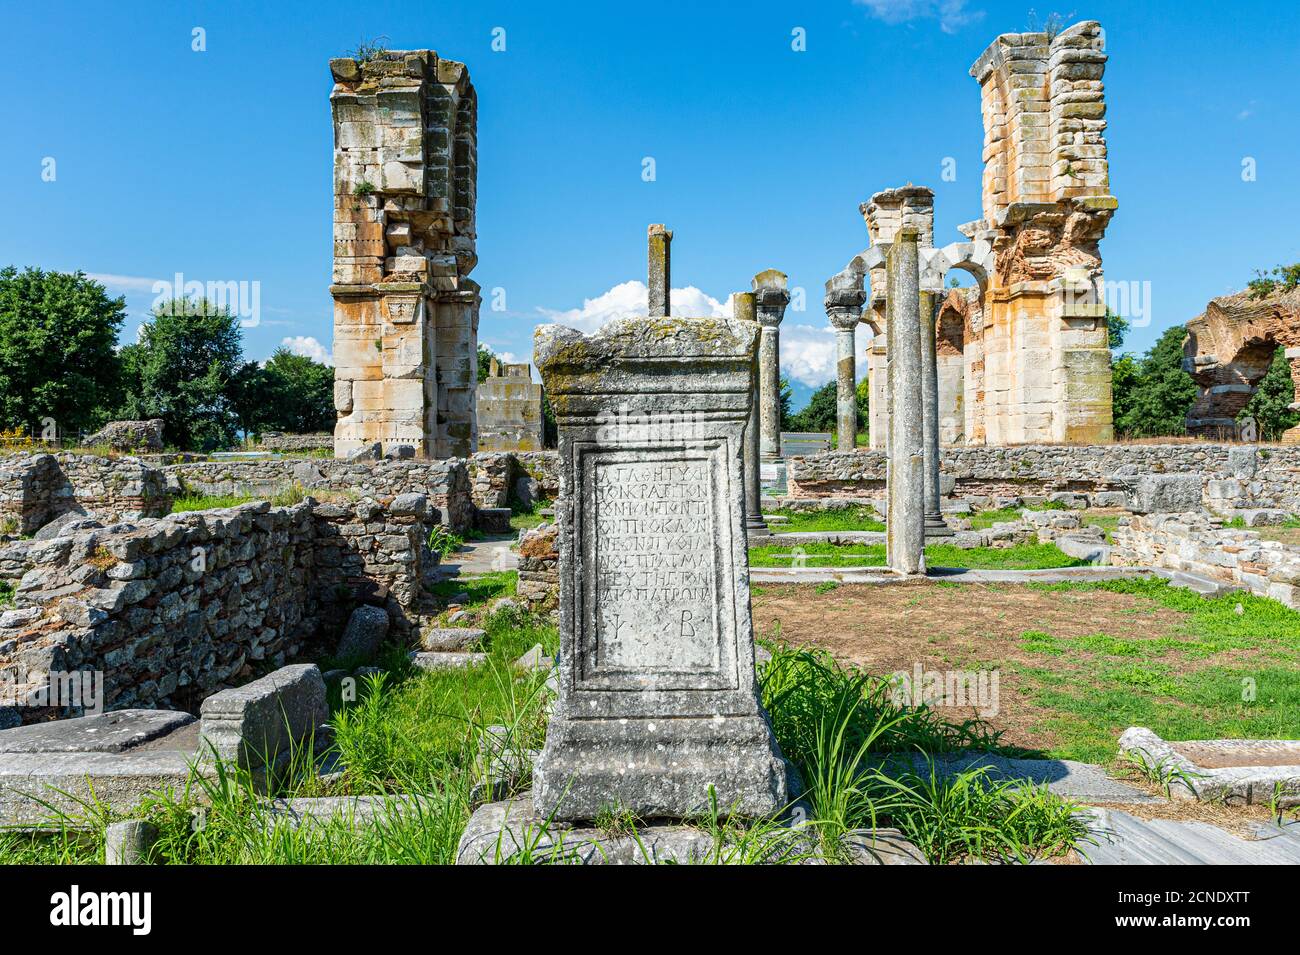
446, 483
1195, 543
173, 609
35, 488
1235, 476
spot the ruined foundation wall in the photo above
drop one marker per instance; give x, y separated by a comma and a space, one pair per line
173, 609
1235, 476
510, 410
405, 310
35, 488
1193, 543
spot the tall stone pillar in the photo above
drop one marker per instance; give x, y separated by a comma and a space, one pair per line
934, 523
658, 709
659, 276
844, 298
405, 309
770, 299
743, 310
905, 485
884, 214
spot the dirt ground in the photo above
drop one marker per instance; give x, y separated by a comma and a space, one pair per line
886, 629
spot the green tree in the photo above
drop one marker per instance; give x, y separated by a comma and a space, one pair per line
1124, 374
485, 356
301, 393
787, 398
185, 370
864, 405
819, 414
1117, 328
1160, 397
1268, 405
57, 360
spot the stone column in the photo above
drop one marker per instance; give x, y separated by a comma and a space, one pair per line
659, 273
934, 523
844, 298
657, 696
771, 298
743, 311
905, 523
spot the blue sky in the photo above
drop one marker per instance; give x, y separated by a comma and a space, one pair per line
217, 164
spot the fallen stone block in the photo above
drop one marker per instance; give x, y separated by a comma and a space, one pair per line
1262, 772
446, 661
493, 520
444, 639
112, 732
1092, 549
258, 724
366, 630
36, 787
535, 659
129, 842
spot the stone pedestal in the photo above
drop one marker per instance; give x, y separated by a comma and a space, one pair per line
657, 697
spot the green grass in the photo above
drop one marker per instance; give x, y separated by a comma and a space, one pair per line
523, 518
419, 733
1192, 682
410, 732
207, 502
818, 554
6, 593
845, 519
837, 724
191, 501
490, 586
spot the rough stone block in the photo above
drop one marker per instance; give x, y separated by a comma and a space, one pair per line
1166, 493
258, 723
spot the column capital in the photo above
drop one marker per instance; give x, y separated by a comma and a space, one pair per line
770, 296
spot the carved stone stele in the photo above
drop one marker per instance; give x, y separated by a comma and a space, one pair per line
657, 693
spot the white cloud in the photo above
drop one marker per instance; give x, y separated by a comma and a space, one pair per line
951, 14
632, 298
808, 353
124, 283
308, 346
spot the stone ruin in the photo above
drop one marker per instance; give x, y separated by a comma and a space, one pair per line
405, 309
1229, 349
510, 410
1024, 354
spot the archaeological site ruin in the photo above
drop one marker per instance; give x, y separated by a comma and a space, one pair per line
626, 613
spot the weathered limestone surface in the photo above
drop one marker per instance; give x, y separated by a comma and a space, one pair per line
1228, 350
743, 310
129, 435
770, 300
1034, 359
657, 697
905, 521
405, 309
659, 273
510, 410
255, 724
